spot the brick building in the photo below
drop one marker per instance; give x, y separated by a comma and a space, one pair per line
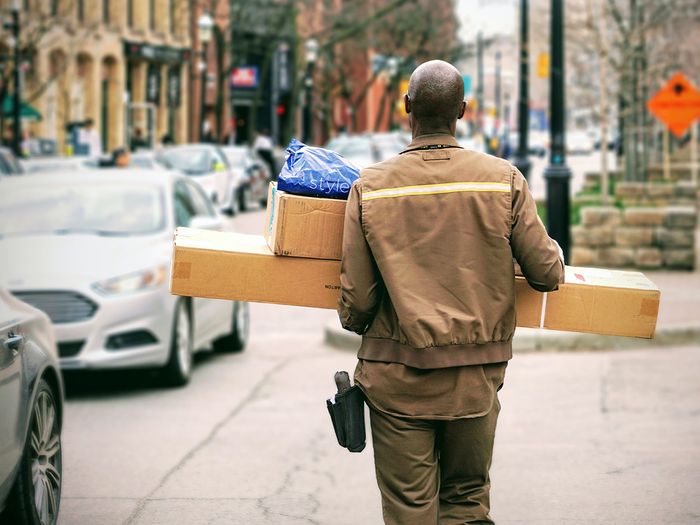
122, 63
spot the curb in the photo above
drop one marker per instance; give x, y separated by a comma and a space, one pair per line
529, 340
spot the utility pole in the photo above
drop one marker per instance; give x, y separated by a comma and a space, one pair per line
557, 174
497, 94
522, 160
311, 46
480, 84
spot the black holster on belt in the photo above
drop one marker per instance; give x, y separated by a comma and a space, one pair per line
347, 410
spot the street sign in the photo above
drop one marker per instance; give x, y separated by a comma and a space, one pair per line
677, 104
244, 77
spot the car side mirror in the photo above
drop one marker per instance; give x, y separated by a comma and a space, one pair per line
205, 222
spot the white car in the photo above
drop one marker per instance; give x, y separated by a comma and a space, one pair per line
92, 249
578, 142
207, 164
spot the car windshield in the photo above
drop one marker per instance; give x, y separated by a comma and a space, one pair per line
92, 208
236, 155
188, 160
49, 165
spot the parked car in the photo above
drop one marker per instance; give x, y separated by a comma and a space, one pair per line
251, 176
92, 250
33, 166
578, 142
369, 148
31, 415
207, 164
8, 163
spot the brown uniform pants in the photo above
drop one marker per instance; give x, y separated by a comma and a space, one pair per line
434, 472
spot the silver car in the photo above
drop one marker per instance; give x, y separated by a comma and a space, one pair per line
208, 165
31, 413
92, 249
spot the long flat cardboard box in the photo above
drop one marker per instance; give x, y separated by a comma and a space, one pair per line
299, 226
242, 267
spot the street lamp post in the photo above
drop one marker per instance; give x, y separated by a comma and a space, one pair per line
393, 70
14, 26
557, 174
311, 56
205, 25
521, 160
497, 105
480, 84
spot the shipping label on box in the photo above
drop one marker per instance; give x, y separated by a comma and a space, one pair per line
298, 226
241, 267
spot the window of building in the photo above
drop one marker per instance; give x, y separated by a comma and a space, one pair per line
130, 12
152, 14
81, 10
54, 7
106, 8
171, 17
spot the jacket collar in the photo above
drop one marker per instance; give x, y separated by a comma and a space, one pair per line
432, 140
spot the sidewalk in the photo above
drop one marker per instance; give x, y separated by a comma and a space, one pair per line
678, 323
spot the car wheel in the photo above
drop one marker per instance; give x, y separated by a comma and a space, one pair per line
235, 203
242, 198
178, 370
237, 340
36, 495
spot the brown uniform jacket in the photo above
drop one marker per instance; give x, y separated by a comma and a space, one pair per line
427, 272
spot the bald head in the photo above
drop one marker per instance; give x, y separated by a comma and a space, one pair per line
435, 96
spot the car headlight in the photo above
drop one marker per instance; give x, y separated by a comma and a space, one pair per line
133, 282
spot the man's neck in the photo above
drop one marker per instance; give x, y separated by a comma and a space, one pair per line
418, 132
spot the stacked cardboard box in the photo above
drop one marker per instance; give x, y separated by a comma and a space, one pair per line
298, 226
307, 232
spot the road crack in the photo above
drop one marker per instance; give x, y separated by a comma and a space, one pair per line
252, 395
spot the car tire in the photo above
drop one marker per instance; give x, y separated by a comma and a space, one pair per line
235, 204
242, 198
178, 369
40, 466
237, 340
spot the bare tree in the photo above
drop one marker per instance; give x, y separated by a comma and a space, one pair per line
627, 48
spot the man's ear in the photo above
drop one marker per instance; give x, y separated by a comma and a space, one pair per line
462, 109
407, 103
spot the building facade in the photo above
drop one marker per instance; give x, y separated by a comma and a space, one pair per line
121, 63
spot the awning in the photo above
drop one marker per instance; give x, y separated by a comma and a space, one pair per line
26, 111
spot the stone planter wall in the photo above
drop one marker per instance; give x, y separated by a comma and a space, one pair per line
655, 229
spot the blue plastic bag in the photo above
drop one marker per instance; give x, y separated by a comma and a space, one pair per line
316, 172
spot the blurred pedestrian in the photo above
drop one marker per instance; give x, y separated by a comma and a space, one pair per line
263, 146
138, 141
427, 278
207, 134
91, 139
119, 158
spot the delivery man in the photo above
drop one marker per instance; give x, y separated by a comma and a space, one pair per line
427, 278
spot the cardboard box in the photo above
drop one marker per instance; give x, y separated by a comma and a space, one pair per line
593, 300
242, 267
298, 226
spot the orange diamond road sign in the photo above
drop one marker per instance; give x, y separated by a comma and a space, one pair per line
677, 104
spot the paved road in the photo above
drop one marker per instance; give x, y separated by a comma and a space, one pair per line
583, 438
